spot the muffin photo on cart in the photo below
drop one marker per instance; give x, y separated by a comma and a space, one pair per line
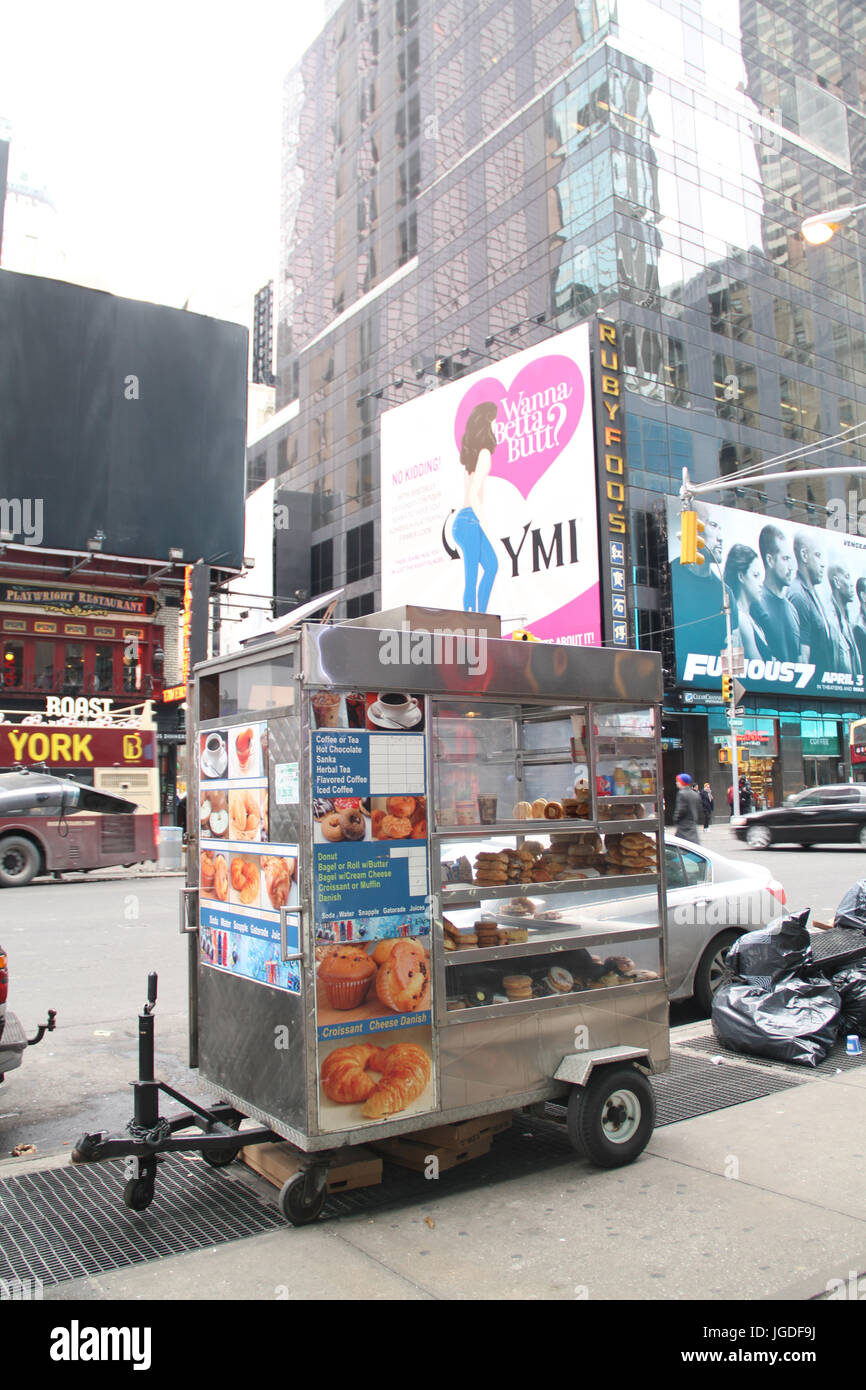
358, 982
398, 817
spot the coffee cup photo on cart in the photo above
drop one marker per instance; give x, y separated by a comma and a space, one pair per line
830, 815
397, 711
533, 776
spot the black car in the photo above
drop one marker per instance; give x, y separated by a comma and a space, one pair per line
817, 816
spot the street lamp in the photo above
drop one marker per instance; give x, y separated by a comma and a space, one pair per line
819, 229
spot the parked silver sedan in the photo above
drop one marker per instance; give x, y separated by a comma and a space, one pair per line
711, 901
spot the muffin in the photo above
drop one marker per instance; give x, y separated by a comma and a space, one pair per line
346, 973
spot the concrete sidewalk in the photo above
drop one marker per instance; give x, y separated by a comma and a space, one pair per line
762, 1200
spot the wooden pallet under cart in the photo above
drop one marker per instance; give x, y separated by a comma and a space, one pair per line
351, 1168
450, 1145
362, 1166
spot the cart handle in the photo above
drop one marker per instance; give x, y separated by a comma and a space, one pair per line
185, 914
285, 955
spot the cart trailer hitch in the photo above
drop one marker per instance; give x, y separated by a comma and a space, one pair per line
148, 1134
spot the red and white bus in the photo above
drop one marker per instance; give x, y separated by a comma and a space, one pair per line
111, 752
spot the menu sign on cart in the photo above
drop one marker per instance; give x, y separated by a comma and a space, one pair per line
371, 903
244, 879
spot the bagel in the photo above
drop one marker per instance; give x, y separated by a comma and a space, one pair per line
332, 826
353, 824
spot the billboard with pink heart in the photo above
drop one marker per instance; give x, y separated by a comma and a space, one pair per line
489, 495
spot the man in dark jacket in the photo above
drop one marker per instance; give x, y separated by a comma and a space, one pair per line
687, 810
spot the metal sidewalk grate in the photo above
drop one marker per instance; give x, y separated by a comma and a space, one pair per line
68, 1223
695, 1087
838, 1059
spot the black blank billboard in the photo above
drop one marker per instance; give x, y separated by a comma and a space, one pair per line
123, 417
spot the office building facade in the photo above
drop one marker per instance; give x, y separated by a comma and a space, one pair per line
463, 180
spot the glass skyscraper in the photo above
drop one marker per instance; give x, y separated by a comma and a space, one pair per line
461, 180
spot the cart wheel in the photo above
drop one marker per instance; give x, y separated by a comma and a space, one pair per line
297, 1210
219, 1158
611, 1119
138, 1193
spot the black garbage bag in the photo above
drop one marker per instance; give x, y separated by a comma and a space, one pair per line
781, 948
792, 1021
850, 984
851, 911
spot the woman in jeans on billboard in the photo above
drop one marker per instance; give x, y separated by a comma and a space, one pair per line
476, 455
744, 577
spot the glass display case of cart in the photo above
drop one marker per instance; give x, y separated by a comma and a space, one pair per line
625, 762
541, 815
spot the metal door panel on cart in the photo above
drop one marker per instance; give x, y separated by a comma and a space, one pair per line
492, 1058
252, 1028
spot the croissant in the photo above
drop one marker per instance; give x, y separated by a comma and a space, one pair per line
403, 981
406, 1070
345, 1078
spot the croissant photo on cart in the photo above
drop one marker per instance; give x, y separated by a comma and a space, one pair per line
382, 1080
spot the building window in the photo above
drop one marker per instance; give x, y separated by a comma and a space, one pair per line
321, 568
359, 552
12, 669
73, 670
103, 667
357, 607
257, 472
407, 239
43, 665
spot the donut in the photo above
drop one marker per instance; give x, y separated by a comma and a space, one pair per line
332, 826
352, 823
553, 811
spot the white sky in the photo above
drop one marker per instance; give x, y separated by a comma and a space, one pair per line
156, 131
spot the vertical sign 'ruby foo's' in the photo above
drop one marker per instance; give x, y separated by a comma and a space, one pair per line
612, 482
178, 692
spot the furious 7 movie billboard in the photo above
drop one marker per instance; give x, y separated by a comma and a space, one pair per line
798, 604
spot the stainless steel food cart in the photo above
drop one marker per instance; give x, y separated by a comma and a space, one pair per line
413, 885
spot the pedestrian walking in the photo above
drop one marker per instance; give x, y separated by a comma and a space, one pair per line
707, 802
745, 797
687, 810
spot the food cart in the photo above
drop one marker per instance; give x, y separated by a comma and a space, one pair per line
419, 852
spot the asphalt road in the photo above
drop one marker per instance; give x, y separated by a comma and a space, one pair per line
85, 947
815, 878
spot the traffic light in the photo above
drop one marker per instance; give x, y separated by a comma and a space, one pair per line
522, 634
691, 539
727, 683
